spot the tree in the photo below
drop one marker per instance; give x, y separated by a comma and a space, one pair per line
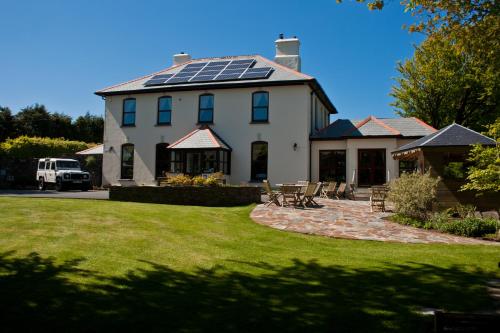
442, 85
89, 128
61, 126
7, 124
34, 120
484, 175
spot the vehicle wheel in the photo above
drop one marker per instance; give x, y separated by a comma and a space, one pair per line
85, 188
41, 184
59, 185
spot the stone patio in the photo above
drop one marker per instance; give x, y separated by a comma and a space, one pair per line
352, 220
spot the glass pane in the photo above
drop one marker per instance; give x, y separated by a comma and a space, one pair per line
164, 117
128, 118
261, 99
165, 104
129, 105
206, 116
206, 102
127, 154
260, 114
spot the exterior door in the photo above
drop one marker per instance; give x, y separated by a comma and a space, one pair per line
371, 167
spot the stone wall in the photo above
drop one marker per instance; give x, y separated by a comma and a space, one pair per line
188, 195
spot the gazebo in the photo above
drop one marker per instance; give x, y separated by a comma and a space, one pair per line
445, 154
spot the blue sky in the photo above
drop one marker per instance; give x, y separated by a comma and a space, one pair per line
58, 53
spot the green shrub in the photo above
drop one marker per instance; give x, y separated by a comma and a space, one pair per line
25, 147
438, 219
469, 227
406, 220
465, 211
413, 193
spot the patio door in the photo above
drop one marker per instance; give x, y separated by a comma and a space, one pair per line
371, 167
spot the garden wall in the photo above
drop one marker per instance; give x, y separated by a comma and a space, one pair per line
188, 195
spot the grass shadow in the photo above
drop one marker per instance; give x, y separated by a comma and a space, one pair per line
39, 294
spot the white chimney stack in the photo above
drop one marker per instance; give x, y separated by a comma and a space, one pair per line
287, 52
181, 58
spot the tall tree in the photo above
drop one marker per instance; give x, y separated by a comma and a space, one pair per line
34, 120
89, 128
61, 126
442, 85
7, 124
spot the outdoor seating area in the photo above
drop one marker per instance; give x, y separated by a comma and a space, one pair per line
304, 194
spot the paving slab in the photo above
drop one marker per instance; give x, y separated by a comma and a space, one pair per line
353, 220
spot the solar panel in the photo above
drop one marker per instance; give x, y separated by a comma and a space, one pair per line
241, 69
257, 73
218, 63
223, 77
178, 80
195, 65
162, 76
214, 68
158, 79
244, 61
202, 78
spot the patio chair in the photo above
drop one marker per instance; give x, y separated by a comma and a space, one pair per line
308, 197
377, 197
289, 193
352, 192
340, 192
328, 190
303, 188
273, 196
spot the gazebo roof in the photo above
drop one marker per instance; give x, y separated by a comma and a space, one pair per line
454, 135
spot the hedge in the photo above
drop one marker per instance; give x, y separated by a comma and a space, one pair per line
25, 147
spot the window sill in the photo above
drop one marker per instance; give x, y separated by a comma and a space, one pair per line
162, 125
127, 125
260, 122
205, 123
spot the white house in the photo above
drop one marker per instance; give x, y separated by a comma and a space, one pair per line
246, 116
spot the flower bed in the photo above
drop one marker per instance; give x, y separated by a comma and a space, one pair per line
188, 195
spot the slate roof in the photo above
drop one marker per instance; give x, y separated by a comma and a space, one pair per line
374, 127
200, 138
281, 75
451, 135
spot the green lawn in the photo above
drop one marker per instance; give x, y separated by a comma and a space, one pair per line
101, 265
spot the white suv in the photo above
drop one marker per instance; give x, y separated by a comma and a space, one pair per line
63, 173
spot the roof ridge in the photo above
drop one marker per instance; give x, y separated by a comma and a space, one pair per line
357, 126
420, 121
473, 131
390, 128
441, 131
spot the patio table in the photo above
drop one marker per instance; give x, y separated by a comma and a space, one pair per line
296, 194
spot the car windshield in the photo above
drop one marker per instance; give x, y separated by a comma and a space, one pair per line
68, 165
